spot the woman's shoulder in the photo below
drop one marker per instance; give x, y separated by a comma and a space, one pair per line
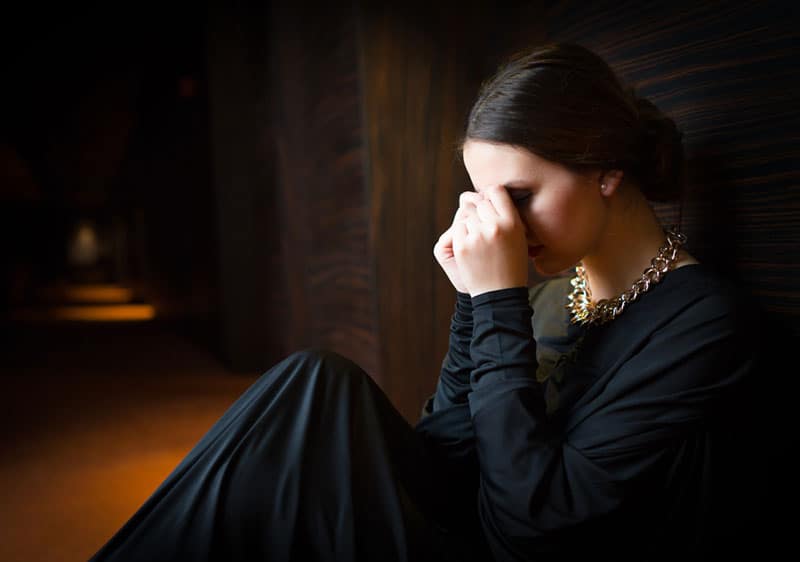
695, 289
700, 289
548, 300
547, 291
694, 292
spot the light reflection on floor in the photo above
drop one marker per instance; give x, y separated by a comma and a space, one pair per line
89, 313
85, 302
93, 418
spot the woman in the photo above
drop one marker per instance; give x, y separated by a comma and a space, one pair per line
578, 417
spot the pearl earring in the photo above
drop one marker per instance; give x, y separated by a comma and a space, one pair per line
602, 187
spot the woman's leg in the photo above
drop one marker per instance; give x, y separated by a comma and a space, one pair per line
312, 462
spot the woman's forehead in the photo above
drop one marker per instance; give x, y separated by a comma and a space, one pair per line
490, 163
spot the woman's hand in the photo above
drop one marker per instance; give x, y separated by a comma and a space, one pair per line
443, 249
489, 244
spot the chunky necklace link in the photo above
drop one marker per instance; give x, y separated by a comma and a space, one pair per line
579, 301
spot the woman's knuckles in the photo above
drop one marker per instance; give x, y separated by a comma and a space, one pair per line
493, 232
468, 198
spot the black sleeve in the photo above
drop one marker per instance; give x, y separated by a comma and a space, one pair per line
446, 422
453, 385
538, 481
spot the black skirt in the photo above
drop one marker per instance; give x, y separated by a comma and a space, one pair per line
313, 463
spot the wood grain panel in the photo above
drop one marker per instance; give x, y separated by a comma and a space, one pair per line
247, 218
421, 67
728, 73
398, 73
318, 140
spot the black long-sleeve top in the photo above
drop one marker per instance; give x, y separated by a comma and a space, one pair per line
599, 440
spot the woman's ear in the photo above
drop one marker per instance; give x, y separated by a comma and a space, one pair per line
610, 180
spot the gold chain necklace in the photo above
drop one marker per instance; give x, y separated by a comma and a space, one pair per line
584, 311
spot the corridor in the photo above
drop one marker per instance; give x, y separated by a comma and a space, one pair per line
94, 416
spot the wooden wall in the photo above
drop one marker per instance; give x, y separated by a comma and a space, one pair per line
728, 72
335, 166
421, 67
343, 142
248, 244
318, 145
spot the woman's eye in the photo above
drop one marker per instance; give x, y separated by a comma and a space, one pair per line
521, 199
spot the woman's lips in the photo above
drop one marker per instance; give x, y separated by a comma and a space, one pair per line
534, 251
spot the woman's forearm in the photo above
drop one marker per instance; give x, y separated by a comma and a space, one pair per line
453, 386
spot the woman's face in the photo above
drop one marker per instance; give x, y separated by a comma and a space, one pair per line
563, 212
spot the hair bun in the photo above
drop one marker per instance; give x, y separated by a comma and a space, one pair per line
564, 103
661, 170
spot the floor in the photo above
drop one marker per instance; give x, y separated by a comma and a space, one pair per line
93, 417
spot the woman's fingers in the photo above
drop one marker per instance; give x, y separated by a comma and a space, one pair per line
489, 242
460, 232
469, 198
473, 224
467, 202
486, 211
501, 202
443, 248
462, 213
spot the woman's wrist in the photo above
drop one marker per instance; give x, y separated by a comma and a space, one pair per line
510, 294
463, 298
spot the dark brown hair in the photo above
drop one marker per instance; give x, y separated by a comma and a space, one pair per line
564, 103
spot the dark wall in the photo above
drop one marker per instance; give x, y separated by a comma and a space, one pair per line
335, 169
319, 148
350, 136
286, 170
289, 174
246, 230
105, 119
729, 74
421, 66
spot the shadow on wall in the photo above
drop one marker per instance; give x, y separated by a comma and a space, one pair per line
711, 209
722, 223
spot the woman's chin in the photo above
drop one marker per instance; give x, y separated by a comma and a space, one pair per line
548, 268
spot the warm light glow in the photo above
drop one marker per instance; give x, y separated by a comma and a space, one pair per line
84, 247
114, 313
89, 313
91, 293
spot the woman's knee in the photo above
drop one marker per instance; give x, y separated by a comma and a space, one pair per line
325, 361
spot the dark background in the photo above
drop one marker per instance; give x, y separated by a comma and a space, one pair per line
274, 176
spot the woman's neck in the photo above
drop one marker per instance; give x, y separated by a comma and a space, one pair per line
630, 240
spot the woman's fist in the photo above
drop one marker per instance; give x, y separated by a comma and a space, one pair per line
488, 243
443, 249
